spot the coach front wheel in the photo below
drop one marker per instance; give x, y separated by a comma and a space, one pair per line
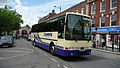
52, 49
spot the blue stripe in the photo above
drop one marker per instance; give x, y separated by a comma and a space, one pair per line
59, 49
43, 45
72, 52
39, 38
47, 34
36, 38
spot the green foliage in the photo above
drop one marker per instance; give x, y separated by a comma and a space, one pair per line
9, 19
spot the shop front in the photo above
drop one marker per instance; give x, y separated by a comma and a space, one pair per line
114, 40
107, 38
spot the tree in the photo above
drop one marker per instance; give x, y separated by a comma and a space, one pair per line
9, 20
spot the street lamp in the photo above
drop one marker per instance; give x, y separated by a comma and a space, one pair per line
58, 7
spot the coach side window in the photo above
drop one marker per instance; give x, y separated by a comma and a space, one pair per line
61, 28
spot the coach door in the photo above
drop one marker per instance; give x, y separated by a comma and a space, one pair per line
61, 28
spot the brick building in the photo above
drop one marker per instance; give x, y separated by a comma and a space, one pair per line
104, 10
105, 16
49, 16
24, 31
78, 8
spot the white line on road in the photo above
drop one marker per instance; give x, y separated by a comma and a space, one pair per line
12, 51
45, 54
1, 58
19, 54
65, 66
23, 48
58, 65
54, 60
40, 51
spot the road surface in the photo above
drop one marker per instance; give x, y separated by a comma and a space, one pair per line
24, 55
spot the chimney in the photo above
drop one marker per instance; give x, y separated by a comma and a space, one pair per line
53, 11
50, 13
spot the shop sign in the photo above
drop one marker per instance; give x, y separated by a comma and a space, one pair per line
93, 30
99, 29
106, 29
102, 29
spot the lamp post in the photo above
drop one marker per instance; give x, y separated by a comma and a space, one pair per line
58, 7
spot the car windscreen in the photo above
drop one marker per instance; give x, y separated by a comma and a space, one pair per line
10, 37
4, 38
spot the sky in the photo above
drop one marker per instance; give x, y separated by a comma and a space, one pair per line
32, 10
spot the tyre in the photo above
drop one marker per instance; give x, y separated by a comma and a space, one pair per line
52, 49
33, 43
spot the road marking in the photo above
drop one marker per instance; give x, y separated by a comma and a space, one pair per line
54, 60
45, 54
58, 65
65, 66
62, 67
40, 51
30, 51
19, 55
1, 58
12, 51
23, 48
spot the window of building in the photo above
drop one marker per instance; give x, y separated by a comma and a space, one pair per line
93, 9
113, 19
113, 4
102, 20
103, 5
88, 1
93, 22
82, 11
87, 9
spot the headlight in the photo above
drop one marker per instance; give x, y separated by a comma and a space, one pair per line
89, 47
10, 42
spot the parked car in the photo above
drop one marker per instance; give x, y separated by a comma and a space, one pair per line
11, 37
6, 41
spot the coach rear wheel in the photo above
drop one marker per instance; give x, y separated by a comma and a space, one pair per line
34, 43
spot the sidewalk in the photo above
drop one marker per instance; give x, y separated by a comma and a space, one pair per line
106, 54
117, 53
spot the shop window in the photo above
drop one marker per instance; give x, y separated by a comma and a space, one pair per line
103, 40
102, 20
87, 9
93, 22
103, 5
113, 4
113, 19
93, 8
